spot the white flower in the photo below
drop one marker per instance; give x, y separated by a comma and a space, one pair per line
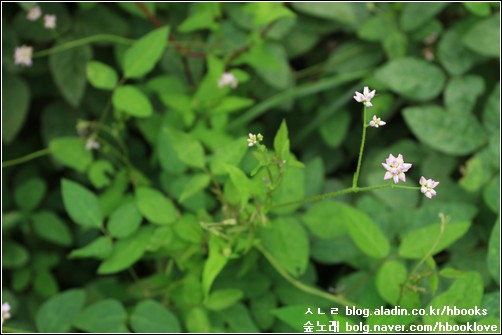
377, 122
34, 13
50, 21
5, 312
22, 55
428, 187
254, 139
92, 144
396, 167
366, 97
227, 79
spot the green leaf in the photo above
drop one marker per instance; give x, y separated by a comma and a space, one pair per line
295, 316
419, 242
230, 153
415, 15
474, 177
465, 293
281, 142
168, 157
493, 257
378, 27
29, 194
287, 241
461, 93
238, 320
389, 279
100, 248
45, 284
196, 184
363, 231
453, 55
125, 220
105, 316
57, 314
484, 37
81, 204
351, 15
49, 226
261, 308
198, 21
491, 194
98, 173
413, 78
241, 182
14, 255
197, 321
150, 316
101, 75
189, 229
141, 58
15, 102
335, 129
232, 104
445, 131
218, 258
132, 101
126, 252
71, 152
292, 188
267, 12
491, 111
155, 206
68, 69
478, 8
221, 299
324, 219
187, 148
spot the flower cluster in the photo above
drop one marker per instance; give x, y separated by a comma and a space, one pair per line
22, 55
254, 139
428, 187
366, 97
227, 79
34, 13
377, 122
50, 21
5, 312
396, 167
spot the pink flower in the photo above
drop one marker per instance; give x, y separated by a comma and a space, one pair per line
377, 122
22, 55
428, 187
366, 97
396, 167
50, 21
34, 13
5, 311
227, 79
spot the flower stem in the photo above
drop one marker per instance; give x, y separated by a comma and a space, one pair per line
361, 150
342, 192
26, 158
298, 284
83, 41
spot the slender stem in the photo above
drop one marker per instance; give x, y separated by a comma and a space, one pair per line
298, 284
342, 192
83, 41
26, 158
361, 150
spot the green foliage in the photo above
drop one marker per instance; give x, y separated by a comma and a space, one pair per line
194, 167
